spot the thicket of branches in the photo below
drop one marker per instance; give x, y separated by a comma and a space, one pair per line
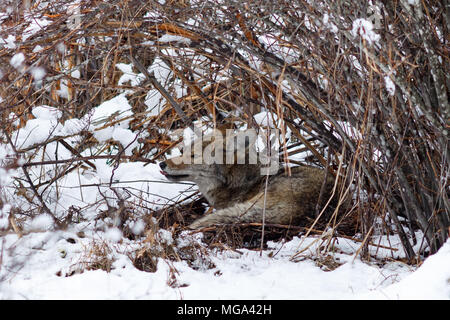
368, 100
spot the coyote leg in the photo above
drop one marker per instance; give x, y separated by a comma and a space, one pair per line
239, 213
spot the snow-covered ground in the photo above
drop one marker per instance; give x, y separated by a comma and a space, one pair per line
52, 264
44, 265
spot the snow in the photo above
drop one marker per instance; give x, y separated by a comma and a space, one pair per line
330, 25
390, 86
42, 222
37, 48
117, 107
128, 75
137, 227
153, 101
118, 110
44, 263
431, 281
113, 235
72, 126
44, 266
46, 113
161, 70
35, 26
126, 137
364, 29
61, 47
174, 38
17, 60
276, 46
35, 131
41, 128
38, 73
8, 42
54, 264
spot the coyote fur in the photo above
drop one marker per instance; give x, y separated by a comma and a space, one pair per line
239, 192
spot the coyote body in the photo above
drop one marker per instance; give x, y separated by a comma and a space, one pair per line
240, 194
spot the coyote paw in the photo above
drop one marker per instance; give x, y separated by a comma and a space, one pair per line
197, 224
207, 221
227, 216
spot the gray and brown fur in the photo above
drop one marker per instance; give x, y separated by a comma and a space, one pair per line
237, 191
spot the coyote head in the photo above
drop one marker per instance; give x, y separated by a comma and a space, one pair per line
217, 163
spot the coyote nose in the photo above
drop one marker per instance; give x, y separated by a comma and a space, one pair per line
162, 165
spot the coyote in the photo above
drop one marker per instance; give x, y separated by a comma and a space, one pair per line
238, 191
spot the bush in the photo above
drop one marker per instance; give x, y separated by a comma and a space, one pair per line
361, 84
